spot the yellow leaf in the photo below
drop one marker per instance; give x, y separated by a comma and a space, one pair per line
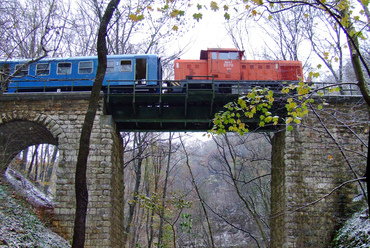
175, 28
258, 2
289, 120
214, 6
326, 55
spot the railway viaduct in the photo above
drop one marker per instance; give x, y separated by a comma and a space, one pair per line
307, 163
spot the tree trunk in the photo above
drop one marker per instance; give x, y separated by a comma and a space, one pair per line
198, 194
362, 84
81, 166
161, 223
139, 141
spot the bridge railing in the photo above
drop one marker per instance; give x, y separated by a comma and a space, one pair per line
167, 86
344, 89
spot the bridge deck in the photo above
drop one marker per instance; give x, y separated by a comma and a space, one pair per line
140, 111
190, 111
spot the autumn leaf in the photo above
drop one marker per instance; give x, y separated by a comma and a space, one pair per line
136, 18
197, 16
258, 2
254, 12
214, 6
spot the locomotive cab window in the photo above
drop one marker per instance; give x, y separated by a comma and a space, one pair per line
214, 55
64, 68
234, 55
125, 66
42, 69
23, 72
85, 67
229, 55
110, 66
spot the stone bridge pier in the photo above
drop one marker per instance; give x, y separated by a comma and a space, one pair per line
57, 118
308, 163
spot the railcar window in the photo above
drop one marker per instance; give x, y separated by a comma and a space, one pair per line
85, 67
23, 72
110, 66
125, 66
64, 68
42, 69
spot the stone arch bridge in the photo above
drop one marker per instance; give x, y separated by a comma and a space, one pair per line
306, 164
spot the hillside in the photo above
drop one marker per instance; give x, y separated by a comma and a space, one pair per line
19, 224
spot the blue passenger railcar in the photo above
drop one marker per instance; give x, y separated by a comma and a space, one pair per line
78, 73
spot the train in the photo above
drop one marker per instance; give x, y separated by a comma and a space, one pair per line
78, 73
219, 69
225, 70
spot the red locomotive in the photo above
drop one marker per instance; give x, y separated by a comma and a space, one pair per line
225, 68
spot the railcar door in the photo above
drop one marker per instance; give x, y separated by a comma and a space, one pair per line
214, 64
141, 71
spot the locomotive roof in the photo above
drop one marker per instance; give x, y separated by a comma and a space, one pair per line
204, 53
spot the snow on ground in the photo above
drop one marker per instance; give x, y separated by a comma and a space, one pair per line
355, 232
19, 225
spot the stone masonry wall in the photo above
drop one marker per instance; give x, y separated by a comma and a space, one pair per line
63, 115
307, 164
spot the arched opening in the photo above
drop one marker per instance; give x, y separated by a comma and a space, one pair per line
36, 167
29, 160
17, 135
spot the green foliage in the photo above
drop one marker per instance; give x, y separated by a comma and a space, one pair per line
177, 200
257, 102
187, 222
257, 105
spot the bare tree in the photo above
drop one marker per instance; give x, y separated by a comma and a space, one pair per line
81, 166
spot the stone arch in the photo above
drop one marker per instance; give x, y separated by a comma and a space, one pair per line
19, 130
